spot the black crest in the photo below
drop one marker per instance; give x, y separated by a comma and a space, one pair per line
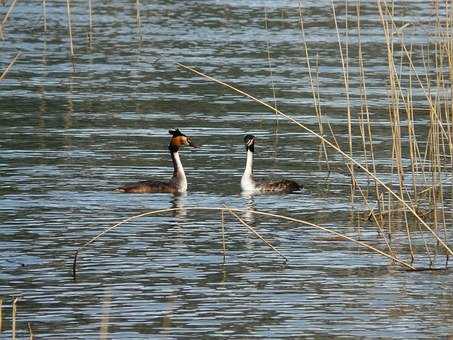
175, 133
248, 138
249, 141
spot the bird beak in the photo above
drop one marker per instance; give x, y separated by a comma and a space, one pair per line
193, 144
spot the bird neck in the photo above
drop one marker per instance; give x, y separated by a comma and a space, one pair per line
247, 182
249, 164
178, 170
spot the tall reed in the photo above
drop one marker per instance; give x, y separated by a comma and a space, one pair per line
6, 17
14, 315
71, 44
44, 15
90, 23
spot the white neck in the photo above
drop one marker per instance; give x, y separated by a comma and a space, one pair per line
179, 177
247, 182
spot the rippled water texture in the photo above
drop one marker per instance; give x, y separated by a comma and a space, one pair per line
72, 132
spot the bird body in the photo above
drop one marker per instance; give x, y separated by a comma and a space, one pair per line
250, 185
178, 182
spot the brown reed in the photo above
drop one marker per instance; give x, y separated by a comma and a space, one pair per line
8, 68
138, 20
44, 15
30, 331
13, 327
90, 23
222, 227
439, 143
314, 92
71, 44
345, 69
5, 19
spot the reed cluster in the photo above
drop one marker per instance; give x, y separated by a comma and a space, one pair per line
14, 321
411, 210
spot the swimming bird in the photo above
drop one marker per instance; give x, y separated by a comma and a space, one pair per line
178, 182
250, 185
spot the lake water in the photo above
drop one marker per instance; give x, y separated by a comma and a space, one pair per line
71, 133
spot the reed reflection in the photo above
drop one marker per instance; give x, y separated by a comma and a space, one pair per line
105, 313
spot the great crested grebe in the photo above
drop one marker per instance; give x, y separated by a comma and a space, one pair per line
178, 182
250, 185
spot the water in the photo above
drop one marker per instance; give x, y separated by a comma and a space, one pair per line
71, 134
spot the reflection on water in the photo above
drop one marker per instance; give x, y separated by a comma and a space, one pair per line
178, 201
250, 206
105, 314
71, 130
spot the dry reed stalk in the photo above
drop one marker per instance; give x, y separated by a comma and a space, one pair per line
330, 144
271, 76
318, 98
443, 85
90, 20
320, 119
260, 213
394, 82
222, 225
315, 94
440, 144
345, 68
412, 143
5, 19
422, 160
378, 224
68, 11
44, 15
365, 124
5, 72
269, 61
105, 315
437, 144
13, 329
397, 142
256, 233
363, 89
30, 331
426, 92
138, 20
436, 122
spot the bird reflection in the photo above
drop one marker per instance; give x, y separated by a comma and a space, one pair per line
250, 206
178, 202
170, 307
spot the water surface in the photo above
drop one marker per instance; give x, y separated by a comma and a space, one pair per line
70, 132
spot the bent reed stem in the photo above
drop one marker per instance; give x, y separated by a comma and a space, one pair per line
229, 209
245, 224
